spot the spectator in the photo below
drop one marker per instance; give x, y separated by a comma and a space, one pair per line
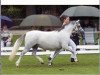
6, 37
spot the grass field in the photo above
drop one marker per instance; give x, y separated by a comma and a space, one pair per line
88, 64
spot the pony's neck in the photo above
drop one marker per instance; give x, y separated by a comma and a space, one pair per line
68, 28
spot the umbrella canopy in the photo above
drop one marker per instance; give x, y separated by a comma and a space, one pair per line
81, 11
41, 20
6, 21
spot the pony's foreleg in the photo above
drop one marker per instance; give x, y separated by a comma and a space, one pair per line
21, 55
72, 49
73, 55
39, 58
52, 56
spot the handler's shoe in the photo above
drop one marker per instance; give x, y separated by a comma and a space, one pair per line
74, 60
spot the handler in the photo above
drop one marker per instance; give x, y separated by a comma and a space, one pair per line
6, 37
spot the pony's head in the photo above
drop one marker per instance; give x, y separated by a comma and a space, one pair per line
72, 24
77, 26
75, 23
69, 27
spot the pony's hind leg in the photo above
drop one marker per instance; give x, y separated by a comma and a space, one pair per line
21, 55
52, 56
26, 49
34, 53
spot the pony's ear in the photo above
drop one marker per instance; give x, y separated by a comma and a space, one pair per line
73, 22
78, 21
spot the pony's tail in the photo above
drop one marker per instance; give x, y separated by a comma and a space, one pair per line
16, 47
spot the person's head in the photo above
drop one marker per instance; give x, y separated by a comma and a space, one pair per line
65, 19
5, 27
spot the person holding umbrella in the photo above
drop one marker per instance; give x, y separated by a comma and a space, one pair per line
6, 37
6, 21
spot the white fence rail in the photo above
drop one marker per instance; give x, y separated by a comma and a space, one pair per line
84, 49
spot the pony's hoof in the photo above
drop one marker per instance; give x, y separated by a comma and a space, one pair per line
42, 62
73, 60
17, 66
49, 64
77, 61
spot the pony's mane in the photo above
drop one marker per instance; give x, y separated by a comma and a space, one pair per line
72, 22
61, 28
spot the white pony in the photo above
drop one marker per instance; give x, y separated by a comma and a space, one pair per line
52, 40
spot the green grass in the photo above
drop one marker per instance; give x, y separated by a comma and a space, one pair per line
88, 64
